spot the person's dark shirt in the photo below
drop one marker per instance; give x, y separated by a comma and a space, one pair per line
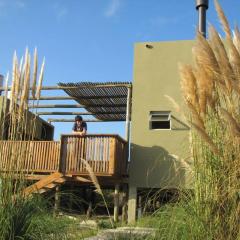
80, 127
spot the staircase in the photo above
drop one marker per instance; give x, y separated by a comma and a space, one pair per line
45, 184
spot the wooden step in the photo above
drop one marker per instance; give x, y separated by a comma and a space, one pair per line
81, 179
42, 190
51, 186
44, 184
59, 180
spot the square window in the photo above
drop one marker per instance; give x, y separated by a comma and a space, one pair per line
160, 120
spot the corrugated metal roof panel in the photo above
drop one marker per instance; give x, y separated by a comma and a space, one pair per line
89, 93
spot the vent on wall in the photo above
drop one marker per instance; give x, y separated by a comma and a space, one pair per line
160, 120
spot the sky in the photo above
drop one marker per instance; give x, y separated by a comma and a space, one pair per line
93, 40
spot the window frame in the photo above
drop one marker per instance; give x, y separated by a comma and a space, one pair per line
160, 113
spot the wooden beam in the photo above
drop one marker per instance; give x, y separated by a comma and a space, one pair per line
60, 180
74, 105
51, 185
77, 87
42, 183
85, 86
81, 179
85, 120
52, 98
76, 98
78, 113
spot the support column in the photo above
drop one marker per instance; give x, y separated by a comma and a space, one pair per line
90, 206
128, 126
70, 205
124, 205
132, 201
128, 114
116, 203
84, 199
139, 209
56, 200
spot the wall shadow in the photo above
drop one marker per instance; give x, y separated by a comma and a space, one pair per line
155, 167
177, 124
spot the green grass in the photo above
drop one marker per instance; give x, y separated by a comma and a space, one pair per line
176, 222
30, 219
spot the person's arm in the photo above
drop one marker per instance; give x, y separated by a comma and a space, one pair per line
76, 132
84, 131
74, 129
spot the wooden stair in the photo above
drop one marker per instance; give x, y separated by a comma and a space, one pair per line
47, 183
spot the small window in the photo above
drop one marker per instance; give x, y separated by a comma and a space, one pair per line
160, 120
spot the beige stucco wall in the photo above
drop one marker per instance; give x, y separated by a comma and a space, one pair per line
159, 158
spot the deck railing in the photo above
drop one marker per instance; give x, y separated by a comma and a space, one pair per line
30, 156
106, 154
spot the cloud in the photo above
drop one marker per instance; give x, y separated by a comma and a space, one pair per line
12, 4
112, 8
60, 11
8, 5
19, 4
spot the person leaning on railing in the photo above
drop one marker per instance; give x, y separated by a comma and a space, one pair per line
79, 127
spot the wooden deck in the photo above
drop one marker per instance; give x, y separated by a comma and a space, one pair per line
106, 154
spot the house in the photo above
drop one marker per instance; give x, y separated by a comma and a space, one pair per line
158, 135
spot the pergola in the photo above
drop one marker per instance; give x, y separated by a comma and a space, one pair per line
106, 102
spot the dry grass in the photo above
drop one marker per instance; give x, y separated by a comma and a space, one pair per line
97, 186
17, 213
211, 89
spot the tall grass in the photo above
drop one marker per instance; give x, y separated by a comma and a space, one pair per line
211, 89
22, 217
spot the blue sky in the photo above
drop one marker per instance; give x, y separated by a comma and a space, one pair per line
93, 40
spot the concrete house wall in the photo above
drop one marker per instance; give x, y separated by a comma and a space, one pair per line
159, 158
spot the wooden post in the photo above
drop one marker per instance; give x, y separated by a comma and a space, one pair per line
84, 197
127, 126
124, 204
70, 205
112, 157
63, 154
139, 210
116, 203
57, 200
90, 206
128, 114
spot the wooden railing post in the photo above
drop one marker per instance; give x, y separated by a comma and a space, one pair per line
112, 156
63, 154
